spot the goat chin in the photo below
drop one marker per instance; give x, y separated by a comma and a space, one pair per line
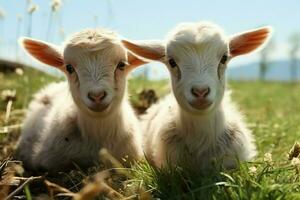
174, 136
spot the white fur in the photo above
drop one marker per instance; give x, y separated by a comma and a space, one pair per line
177, 137
61, 129
177, 132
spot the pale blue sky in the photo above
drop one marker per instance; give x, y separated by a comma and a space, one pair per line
140, 19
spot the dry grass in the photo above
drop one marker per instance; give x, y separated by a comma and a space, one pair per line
275, 174
98, 181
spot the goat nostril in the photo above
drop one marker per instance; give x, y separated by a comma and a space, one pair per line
207, 91
103, 95
194, 92
200, 92
90, 96
96, 96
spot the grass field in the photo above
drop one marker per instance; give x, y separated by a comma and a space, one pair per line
272, 110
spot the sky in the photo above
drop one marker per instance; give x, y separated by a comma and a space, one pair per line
141, 19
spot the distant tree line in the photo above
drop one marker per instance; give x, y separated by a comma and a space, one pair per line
294, 50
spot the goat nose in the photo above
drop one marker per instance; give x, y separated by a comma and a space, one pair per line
200, 92
97, 96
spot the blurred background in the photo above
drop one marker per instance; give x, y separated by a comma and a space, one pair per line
54, 20
264, 85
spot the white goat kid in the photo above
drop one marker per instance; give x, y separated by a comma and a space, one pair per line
71, 122
201, 126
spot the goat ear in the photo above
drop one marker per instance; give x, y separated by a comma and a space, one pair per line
149, 49
133, 61
249, 41
42, 51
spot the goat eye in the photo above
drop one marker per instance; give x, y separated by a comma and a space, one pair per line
121, 66
69, 68
172, 63
224, 59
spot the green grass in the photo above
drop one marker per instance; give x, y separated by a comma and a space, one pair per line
136, 85
272, 110
25, 85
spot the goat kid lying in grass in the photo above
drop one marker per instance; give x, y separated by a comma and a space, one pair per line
203, 125
70, 122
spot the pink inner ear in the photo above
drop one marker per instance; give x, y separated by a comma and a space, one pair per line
43, 52
249, 41
146, 51
133, 62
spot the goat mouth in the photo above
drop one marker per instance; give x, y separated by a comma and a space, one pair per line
99, 107
201, 105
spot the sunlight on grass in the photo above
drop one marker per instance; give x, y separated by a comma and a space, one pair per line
271, 109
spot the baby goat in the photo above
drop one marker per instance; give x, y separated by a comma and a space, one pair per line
200, 125
70, 122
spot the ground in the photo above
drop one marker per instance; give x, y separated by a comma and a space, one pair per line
271, 110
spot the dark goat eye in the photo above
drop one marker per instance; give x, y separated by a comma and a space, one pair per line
69, 68
172, 63
224, 59
121, 66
